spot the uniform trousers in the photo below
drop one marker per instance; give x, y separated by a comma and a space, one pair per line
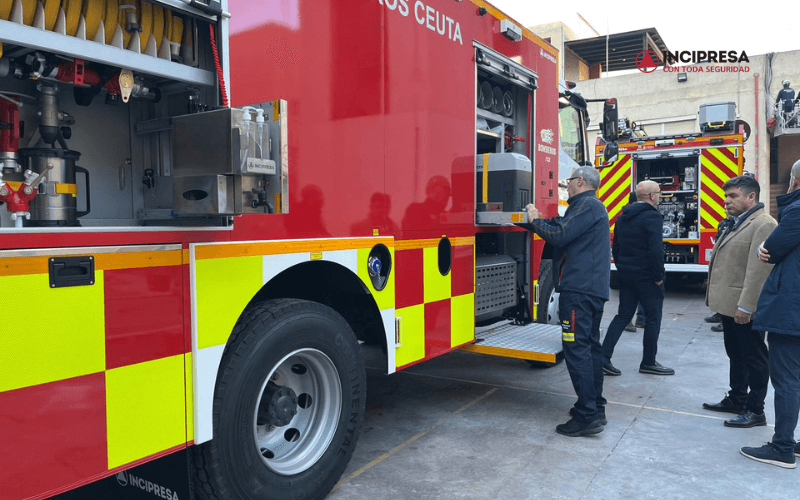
580, 316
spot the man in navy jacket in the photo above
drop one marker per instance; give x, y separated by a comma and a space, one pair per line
639, 256
778, 313
581, 272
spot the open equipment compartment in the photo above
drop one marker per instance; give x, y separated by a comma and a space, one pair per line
503, 121
89, 104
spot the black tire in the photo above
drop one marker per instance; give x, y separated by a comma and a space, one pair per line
547, 289
297, 355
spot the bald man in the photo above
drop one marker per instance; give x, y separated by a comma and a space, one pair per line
639, 256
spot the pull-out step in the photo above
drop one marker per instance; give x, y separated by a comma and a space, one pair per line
535, 342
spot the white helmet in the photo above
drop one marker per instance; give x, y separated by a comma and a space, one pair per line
786, 83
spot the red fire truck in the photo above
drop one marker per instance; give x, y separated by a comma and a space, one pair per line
181, 274
690, 169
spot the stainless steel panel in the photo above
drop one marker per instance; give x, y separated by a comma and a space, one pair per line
495, 284
205, 195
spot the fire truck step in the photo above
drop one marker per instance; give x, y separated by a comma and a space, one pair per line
535, 342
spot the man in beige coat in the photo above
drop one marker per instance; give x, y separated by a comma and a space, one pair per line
735, 278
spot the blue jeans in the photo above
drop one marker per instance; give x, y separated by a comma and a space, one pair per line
784, 365
580, 325
651, 298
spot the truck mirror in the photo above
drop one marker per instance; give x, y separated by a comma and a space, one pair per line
577, 101
610, 153
610, 121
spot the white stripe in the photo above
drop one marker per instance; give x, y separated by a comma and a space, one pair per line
206, 366
388, 327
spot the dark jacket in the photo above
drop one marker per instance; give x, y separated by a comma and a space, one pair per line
582, 257
779, 304
638, 248
787, 96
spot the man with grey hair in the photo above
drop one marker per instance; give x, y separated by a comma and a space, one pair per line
581, 272
639, 256
778, 314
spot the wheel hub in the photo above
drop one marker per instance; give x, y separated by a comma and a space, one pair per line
281, 406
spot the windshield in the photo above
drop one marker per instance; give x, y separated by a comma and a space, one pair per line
571, 134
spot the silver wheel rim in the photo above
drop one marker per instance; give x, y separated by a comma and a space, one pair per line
552, 308
294, 447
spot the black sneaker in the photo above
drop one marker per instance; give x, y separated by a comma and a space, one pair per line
573, 428
639, 324
797, 450
768, 454
717, 328
630, 328
601, 414
609, 369
746, 420
726, 405
656, 369
714, 318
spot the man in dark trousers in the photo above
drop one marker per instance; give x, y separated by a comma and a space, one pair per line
639, 256
779, 315
581, 272
735, 278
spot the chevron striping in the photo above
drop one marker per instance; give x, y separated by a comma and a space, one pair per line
610, 179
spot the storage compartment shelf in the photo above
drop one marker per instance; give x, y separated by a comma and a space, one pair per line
482, 113
72, 47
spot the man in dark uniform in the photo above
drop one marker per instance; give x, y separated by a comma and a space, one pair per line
581, 272
786, 101
639, 257
777, 313
786, 94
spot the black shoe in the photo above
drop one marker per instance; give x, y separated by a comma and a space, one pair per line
630, 328
573, 428
609, 369
717, 328
714, 318
601, 414
768, 454
639, 324
747, 419
656, 369
797, 450
726, 405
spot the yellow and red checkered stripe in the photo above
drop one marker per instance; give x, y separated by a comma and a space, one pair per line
615, 187
436, 312
226, 276
93, 377
717, 165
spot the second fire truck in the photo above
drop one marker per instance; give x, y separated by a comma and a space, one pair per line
690, 169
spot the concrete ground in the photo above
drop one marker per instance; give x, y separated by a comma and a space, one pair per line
474, 426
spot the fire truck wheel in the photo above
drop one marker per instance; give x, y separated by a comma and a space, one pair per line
548, 297
288, 405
